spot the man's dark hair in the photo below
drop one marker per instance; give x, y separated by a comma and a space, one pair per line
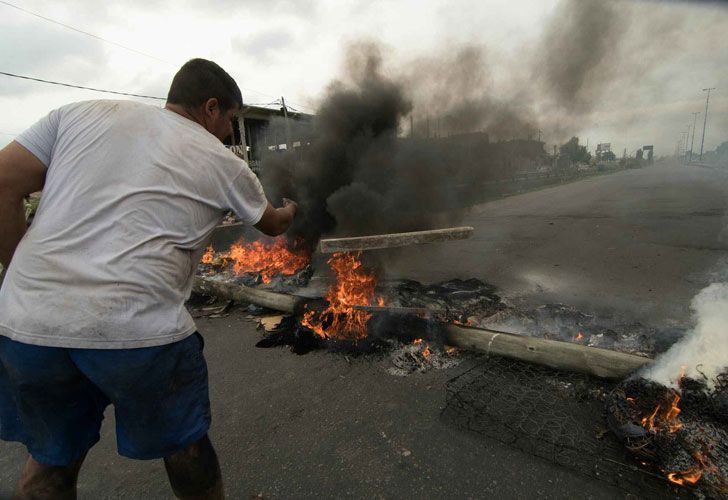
199, 80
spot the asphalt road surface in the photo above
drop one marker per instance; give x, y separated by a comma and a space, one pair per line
637, 243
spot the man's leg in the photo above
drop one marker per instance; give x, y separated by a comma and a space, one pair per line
38, 481
194, 472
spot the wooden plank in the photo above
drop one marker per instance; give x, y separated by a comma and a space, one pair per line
567, 356
379, 241
231, 291
601, 363
415, 311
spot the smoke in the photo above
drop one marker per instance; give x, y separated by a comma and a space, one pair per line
703, 352
363, 173
574, 62
402, 145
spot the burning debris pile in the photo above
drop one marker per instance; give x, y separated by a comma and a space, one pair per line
353, 286
667, 443
281, 265
458, 301
354, 318
683, 434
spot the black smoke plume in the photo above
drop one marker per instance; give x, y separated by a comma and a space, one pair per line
411, 149
361, 175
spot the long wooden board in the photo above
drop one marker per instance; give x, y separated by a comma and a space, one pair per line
601, 363
378, 241
230, 291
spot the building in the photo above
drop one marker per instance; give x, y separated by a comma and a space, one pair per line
260, 130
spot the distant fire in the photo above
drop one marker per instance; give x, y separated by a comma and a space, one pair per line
267, 259
690, 476
426, 352
578, 337
353, 286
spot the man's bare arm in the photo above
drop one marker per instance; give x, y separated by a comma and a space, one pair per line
276, 221
21, 173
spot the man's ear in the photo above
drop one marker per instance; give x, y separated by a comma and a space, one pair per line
211, 105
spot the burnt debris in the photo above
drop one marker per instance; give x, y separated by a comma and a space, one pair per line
681, 433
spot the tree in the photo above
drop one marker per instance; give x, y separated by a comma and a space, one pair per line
574, 152
608, 156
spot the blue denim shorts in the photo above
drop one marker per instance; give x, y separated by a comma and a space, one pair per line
53, 399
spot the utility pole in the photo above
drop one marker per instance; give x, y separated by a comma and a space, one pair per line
288, 126
412, 126
695, 117
539, 135
687, 135
705, 120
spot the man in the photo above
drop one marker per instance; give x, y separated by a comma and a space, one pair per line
92, 306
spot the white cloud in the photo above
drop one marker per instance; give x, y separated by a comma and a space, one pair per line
295, 48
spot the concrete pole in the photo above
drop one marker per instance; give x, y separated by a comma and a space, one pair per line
288, 126
705, 120
695, 117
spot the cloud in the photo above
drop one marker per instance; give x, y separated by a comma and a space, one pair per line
263, 46
292, 7
49, 53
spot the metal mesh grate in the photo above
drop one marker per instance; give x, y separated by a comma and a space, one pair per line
554, 415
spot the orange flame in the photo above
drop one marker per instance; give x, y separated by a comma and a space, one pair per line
268, 259
354, 286
690, 476
426, 352
578, 337
208, 256
666, 419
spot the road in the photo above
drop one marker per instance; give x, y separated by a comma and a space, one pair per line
639, 243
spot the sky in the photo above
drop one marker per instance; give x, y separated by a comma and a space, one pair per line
630, 73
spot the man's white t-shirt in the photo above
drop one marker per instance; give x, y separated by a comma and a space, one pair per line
131, 197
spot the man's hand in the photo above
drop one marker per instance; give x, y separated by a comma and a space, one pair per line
287, 202
276, 221
21, 173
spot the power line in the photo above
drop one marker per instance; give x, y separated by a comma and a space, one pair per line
77, 30
80, 86
83, 32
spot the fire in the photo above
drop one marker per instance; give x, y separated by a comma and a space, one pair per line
426, 352
690, 476
666, 418
209, 254
578, 337
451, 350
354, 286
669, 416
268, 259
